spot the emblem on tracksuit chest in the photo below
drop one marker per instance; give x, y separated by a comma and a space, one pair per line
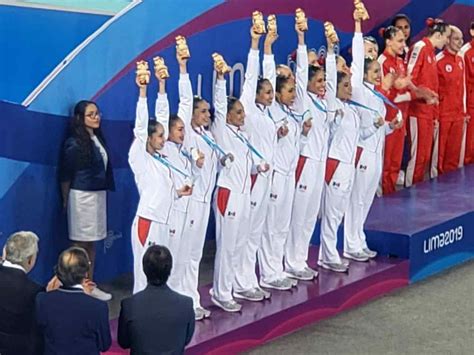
302, 187
336, 184
151, 243
231, 214
253, 204
449, 68
362, 168
172, 232
273, 197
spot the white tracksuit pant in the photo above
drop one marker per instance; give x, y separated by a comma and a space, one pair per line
192, 247
232, 226
176, 234
366, 181
246, 277
306, 205
336, 200
277, 228
145, 233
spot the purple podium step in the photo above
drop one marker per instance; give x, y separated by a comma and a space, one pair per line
287, 311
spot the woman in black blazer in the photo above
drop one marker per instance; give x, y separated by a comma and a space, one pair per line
86, 175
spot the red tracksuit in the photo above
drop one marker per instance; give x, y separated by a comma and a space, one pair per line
423, 70
467, 53
394, 142
451, 111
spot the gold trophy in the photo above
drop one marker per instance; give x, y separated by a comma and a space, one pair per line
182, 48
258, 23
272, 25
220, 64
330, 32
143, 74
161, 70
360, 11
301, 20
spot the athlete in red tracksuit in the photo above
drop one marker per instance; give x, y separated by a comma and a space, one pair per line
392, 64
451, 106
423, 70
467, 53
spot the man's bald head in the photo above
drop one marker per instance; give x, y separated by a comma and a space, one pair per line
73, 266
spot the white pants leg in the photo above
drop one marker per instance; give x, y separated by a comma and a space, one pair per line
145, 233
336, 200
177, 220
232, 224
364, 177
372, 185
192, 246
245, 276
277, 228
306, 205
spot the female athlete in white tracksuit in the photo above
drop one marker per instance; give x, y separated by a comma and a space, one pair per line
181, 167
345, 131
195, 114
365, 75
257, 95
310, 86
232, 198
154, 182
282, 190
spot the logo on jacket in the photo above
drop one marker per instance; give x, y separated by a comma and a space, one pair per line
191, 223
336, 184
151, 243
449, 68
230, 214
172, 232
362, 167
302, 187
273, 196
253, 204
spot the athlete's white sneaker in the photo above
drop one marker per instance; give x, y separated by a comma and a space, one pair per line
336, 267
370, 253
228, 306
357, 256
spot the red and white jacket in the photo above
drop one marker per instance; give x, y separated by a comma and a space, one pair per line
451, 86
467, 54
424, 73
395, 65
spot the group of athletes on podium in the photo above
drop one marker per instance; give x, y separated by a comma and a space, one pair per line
294, 146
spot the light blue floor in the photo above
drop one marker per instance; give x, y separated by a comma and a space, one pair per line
90, 5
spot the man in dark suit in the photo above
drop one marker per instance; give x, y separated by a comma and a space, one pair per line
73, 322
156, 320
18, 332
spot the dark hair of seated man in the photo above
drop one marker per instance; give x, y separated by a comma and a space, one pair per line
157, 263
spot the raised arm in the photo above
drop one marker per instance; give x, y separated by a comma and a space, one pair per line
220, 106
269, 68
249, 89
141, 116
358, 55
301, 70
185, 108
162, 107
331, 78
